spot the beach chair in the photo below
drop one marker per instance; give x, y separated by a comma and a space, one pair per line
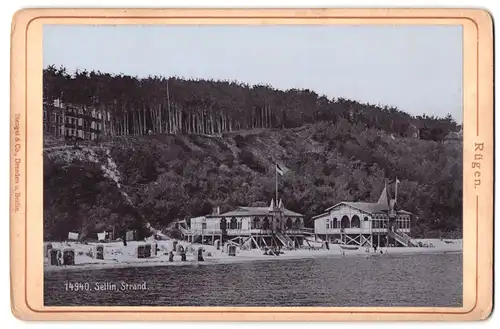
46, 250
55, 256
231, 250
99, 254
69, 256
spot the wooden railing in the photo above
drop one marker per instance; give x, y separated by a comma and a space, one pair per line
237, 231
402, 238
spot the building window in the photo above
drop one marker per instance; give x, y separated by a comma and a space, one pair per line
355, 223
203, 226
327, 226
265, 223
365, 219
233, 224
344, 222
335, 223
256, 222
223, 224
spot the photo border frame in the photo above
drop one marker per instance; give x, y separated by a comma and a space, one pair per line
26, 218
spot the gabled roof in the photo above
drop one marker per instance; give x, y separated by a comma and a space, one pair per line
380, 207
368, 207
260, 211
255, 211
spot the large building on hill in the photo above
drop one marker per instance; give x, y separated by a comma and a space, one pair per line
365, 223
67, 121
255, 227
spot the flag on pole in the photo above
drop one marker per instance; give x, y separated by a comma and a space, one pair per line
281, 170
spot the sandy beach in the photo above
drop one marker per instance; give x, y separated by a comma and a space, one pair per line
118, 256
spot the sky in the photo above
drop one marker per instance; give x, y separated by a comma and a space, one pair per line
415, 68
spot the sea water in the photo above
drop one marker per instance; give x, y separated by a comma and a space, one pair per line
376, 280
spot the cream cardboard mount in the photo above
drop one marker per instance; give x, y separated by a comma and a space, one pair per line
152, 179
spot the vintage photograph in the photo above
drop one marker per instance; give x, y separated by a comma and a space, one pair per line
253, 165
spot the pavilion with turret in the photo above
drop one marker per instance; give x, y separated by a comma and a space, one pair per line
367, 224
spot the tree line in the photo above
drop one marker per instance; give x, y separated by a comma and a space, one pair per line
161, 105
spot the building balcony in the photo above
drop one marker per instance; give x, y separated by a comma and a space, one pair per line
356, 230
236, 232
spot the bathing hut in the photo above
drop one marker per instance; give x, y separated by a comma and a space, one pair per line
217, 244
154, 249
180, 249
231, 250
68, 256
46, 250
99, 251
144, 251
55, 257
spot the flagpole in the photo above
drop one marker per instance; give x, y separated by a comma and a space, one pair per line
396, 192
276, 172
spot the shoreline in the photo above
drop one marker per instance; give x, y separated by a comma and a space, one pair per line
246, 256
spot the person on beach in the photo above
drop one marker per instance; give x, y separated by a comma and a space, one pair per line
171, 256
183, 256
200, 255
375, 248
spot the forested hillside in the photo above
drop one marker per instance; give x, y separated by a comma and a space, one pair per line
177, 148
171, 177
